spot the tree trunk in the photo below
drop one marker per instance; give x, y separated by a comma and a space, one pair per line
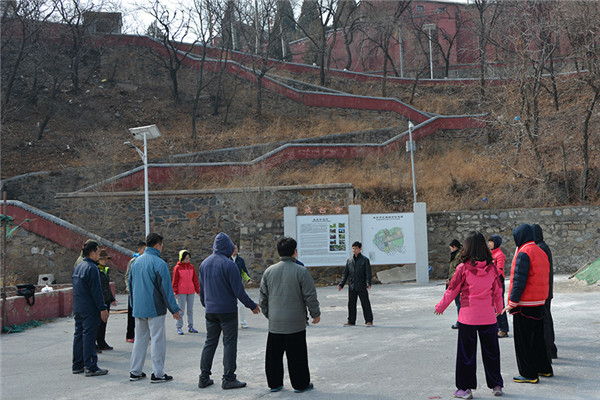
585, 145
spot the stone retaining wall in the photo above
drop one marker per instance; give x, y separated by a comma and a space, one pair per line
572, 233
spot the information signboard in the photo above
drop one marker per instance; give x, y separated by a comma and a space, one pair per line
322, 240
389, 238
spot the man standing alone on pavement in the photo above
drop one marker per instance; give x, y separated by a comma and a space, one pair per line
527, 295
151, 294
220, 288
286, 291
89, 310
358, 275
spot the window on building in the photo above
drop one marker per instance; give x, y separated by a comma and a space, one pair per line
441, 10
420, 9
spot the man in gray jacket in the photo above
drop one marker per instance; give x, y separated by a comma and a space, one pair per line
286, 291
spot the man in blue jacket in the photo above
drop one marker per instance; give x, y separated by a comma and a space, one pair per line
220, 288
89, 309
151, 294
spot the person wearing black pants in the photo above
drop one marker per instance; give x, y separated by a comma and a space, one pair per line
109, 298
527, 295
287, 290
530, 348
551, 349
466, 357
358, 275
130, 334
294, 347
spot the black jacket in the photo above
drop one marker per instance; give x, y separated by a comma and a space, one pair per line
357, 273
106, 292
539, 240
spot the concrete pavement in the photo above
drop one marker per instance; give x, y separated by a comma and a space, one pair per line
408, 354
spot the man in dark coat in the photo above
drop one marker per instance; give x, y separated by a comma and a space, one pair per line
548, 322
89, 310
358, 275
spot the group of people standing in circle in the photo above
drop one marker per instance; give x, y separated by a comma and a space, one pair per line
476, 283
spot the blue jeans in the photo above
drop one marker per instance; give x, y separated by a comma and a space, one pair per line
215, 324
84, 341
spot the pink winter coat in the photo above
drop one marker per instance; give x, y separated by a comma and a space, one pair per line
499, 260
480, 293
185, 279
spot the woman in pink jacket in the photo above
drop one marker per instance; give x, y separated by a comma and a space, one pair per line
185, 284
476, 279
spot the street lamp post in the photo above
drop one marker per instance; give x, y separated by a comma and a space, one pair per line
411, 147
429, 28
144, 133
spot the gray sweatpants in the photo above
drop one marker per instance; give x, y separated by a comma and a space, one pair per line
146, 328
186, 301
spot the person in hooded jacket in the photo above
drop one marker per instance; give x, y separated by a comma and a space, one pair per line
551, 349
455, 247
109, 298
220, 289
185, 284
494, 243
527, 295
476, 280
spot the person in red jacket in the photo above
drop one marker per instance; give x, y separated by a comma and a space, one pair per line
494, 243
527, 294
185, 284
476, 280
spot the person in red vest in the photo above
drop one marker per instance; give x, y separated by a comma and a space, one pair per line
527, 294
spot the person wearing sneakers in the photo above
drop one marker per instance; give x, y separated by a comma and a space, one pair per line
151, 293
358, 275
185, 284
220, 289
476, 280
239, 261
527, 294
287, 290
89, 309
494, 243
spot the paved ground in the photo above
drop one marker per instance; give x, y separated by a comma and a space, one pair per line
409, 354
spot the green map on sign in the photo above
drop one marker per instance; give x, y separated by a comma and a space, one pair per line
389, 240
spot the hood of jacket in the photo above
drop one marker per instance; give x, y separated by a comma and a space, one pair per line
181, 254
523, 234
538, 235
497, 239
223, 245
478, 267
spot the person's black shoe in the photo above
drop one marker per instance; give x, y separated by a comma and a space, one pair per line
106, 347
133, 377
522, 379
164, 378
202, 382
546, 375
235, 384
79, 371
455, 326
306, 389
98, 372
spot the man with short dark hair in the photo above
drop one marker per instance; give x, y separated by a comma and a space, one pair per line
220, 288
286, 291
151, 294
358, 275
89, 310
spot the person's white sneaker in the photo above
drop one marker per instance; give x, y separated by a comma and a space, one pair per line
244, 325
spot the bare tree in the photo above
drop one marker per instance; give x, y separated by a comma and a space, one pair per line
22, 24
488, 12
581, 20
348, 19
383, 20
175, 26
446, 39
315, 30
